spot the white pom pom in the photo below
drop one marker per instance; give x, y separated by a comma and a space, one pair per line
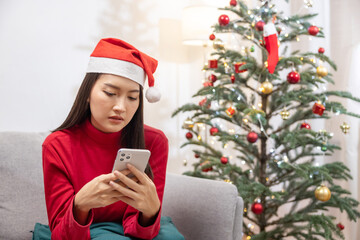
153, 94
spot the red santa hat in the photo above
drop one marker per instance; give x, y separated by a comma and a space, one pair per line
117, 57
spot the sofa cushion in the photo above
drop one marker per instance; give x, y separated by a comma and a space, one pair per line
22, 201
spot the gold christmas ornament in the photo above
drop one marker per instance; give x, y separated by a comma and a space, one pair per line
345, 127
266, 87
188, 124
218, 44
321, 71
284, 114
322, 193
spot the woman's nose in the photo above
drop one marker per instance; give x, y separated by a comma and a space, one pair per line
119, 105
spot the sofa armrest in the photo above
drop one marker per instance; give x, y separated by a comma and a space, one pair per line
202, 208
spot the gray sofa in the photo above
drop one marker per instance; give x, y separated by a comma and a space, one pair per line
200, 208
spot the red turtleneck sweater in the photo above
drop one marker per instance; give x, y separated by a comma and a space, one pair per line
73, 157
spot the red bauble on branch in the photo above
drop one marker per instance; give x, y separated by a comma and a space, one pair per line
233, 3
202, 103
224, 160
237, 67
213, 78
252, 137
260, 25
257, 208
318, 108
321, 50
213, 63
313, 30
340, 226
212, 37
196, 155
224, 20
189, 135
232, 78
213, 131
293, 77
206, 166
305, 125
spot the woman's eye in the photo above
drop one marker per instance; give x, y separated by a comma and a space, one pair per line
133, 98
109, 93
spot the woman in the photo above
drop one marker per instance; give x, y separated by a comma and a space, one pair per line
84, 198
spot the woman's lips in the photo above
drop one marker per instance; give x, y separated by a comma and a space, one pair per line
116, 119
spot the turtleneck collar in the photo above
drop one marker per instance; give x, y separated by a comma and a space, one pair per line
99, 136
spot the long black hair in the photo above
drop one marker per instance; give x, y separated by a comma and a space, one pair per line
132, 135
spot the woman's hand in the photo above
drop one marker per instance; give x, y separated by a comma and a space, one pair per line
96, 193
141, 195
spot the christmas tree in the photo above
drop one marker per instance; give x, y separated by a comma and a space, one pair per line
252, 126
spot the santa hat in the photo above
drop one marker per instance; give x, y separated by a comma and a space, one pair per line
117, 57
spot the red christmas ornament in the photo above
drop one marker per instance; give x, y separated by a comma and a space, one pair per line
293, 77
230, 111
257, 208
224, 20
321, 50
212, 37
204, 166
197, 155
305, 125
208, 84
213, 63
232, 78
260, 25
212, 78
252, 137
238, 65
189, 135
340, 226
213, 131
224, 160
318, 108
202, 103
233, 3
313, 30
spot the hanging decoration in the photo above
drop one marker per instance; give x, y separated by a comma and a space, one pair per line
232, 78
284, 114
252, 137
188, 124
257, 208
214, 131
237, 67
345, 127
224, 20
305, 125
313, 30
213, 63
224, 160
218, 44
212, 37
318, 108
233, 3
322, 193
321, 71
271, 42
206, 166
266, 87
230, 111
293, 77
189, 135
260, 25
321, 50
212, 78
340, 226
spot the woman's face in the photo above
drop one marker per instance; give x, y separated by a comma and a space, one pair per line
113, 102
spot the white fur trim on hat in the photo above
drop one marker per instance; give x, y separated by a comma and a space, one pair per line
117, 67
152, 94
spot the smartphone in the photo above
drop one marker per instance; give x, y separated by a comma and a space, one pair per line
137, 157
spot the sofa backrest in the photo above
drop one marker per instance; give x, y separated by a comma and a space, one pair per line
22, 201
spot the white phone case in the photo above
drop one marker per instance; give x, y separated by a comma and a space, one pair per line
137, 157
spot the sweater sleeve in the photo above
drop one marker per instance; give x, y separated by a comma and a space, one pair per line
158, 161
59, 197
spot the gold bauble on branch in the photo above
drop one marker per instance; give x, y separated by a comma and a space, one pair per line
284, 114
345, 127
218, 44
322, 193
321, 71
188, 124
266, 87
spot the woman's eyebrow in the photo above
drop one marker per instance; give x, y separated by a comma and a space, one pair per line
117, 88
